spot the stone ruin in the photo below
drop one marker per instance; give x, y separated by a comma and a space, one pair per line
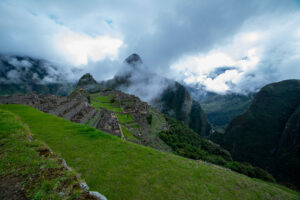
75, 108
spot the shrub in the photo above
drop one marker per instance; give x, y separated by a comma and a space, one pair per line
149, 119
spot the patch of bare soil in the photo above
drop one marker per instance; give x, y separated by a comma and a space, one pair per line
11, 188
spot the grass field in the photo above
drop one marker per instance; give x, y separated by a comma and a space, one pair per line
105, 102
22, 166
124, 118
124, 170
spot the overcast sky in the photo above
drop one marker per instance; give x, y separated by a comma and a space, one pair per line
225, 45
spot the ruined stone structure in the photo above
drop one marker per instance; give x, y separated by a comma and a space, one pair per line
74, 108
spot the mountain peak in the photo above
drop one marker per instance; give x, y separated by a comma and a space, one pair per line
86, 79
133, 59
88, 83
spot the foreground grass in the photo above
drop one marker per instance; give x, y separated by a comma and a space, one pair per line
23, 171
123, 170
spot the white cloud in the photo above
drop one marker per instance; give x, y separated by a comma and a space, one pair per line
243, 54
80, 48
263, 51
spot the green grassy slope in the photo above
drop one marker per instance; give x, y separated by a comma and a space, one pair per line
23, 166
124, 170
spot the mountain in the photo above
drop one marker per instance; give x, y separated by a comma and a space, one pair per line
127, 117
116, 168
88, 83
268, 133
220, 109
23, 74
122, 115
168, 96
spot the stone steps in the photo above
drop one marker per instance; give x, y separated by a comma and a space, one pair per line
74, 111
96, 119
88, 116
63, 108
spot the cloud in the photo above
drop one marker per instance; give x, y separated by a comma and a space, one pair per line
260, 53
80, 48
97, 35
39, 34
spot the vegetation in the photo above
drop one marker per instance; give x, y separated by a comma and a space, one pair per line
128, 134
221, 109
124, 170
158, 120
176, 102
249, 170
149, 119
267, 135
107, 102
187, 143
27, 163
124, 118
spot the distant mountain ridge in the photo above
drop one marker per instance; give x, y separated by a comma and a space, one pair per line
23, 73
220, 109
268, 133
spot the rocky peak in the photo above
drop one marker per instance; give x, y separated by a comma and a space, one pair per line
88, 83
86, 79
133, 59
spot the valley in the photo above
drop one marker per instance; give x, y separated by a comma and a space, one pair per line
171, 130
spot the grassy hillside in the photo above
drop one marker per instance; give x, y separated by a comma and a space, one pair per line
28, 169
124, 170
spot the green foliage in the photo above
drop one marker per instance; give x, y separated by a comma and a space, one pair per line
188, 143
249, 170
149, 119
124, 170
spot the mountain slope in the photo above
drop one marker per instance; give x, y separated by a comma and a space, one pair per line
168, 96
220, 109
23, 74
267, 135
125, 116
123, 170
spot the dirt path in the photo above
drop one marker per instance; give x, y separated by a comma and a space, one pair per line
11, 188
